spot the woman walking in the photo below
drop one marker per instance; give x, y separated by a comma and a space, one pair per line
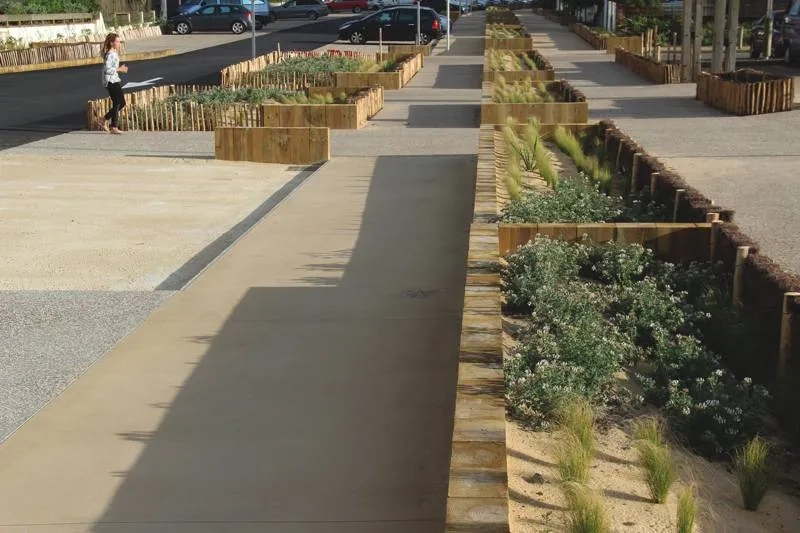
112, 82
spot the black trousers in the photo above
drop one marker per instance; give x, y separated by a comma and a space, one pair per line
117, 103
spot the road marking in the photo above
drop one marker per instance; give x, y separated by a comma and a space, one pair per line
132, 84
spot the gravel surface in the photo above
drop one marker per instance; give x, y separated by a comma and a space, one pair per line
51, 337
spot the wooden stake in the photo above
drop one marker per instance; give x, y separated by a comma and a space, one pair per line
787, 318
741, 255
653, 183
713, 218
634, 173
678, 196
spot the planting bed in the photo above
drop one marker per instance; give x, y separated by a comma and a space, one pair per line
291, 146
746, 92
517, 66
649, 69
507, 37
501, 15
555, 102
191, 108
298, 70
609, 42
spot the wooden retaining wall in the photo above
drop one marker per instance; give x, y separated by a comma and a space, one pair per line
409, 49
649, 69
147, 111
609, 43
511, 43
677, 243
546, 73
746, 92
291, 146
572, 109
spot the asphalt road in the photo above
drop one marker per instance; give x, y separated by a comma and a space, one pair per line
37, 105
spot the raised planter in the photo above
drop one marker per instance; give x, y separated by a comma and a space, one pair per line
251, 73
409, 49
571, 108
746, 92
609, 43
522, 42
147, 110
546, 73
649, 69
501, 15
291, 146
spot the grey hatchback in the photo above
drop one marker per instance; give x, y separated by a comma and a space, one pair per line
228, 17
312, 9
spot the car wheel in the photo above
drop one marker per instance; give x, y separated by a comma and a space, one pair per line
357, 37
273, 17
312, 15
183, 28
356, 9
259, 24
238, 28
424, 38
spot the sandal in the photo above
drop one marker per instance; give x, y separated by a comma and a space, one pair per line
114, 131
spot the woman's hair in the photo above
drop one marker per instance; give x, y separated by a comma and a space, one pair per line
110, 38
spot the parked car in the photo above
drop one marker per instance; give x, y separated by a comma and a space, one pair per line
758, 39
261, 8
398, 24
311, 9
356, 6
790, 33
227, 17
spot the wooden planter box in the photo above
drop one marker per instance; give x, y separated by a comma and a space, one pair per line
147, 111
545, 74
746, 92
660, 73
251, 73
573, 109
409, 49
609, 43
290, 146
513, 43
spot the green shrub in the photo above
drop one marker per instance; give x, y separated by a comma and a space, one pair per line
754, 472
576, 415
249, 95
327, 64
572, 460
659, 469
688, 508
585, 510
649, 429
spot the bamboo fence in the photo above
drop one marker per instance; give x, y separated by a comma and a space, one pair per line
746, 92
48, 53
647, 68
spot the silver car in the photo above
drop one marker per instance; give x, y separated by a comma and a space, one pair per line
310, 9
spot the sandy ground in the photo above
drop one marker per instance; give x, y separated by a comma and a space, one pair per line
119, 223
536, 503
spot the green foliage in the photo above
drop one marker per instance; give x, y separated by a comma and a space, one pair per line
506, 60
328, 64
19, 7
250, 95
521, 92
572, 199
649, 430
659, 468
585, 510
572, 459
688, 508
754, 472
599, 309
502, 31
576, 415
568, 143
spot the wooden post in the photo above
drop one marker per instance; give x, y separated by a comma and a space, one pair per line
787, 318
634, 172
741, 255
733, 29
619, 154
678, 197
741, 38
653, 183
713, 218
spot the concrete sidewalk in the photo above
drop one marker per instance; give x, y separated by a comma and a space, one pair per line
745, 163
305, 381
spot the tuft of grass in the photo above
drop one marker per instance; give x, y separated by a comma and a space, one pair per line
754, 472
649, 430
585, 510
659, 469
568, 143
687, 510
572, 459
513, 180
576, 415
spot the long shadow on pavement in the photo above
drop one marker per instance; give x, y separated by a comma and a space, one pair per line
458, 76
324, 408
444, 116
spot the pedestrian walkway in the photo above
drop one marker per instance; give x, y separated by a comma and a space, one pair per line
748, 164
305, 381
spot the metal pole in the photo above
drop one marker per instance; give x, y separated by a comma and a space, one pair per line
448, 24
768, 28
718, 56
253, 26
697, 41
419, 33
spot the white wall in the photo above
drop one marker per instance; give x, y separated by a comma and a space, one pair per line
46, 32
